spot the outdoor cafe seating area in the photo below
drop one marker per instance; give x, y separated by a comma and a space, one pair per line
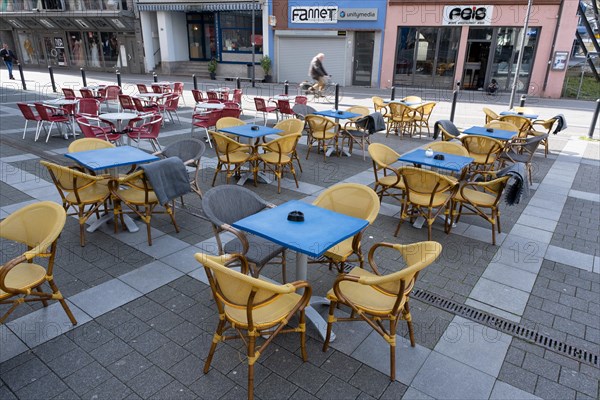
121, 169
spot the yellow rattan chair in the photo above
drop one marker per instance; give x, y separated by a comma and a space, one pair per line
449, 147
480, 198
83, 192
228, 122
323, 131
412, 99
252, 308
422, 114
523, 124
135, 191
353, 199
230, 154
278, 155
291, 126
388, 180
484, 151
401, 119
504, 125
37, 226
490, 115
375, 298
427, 194
86, 144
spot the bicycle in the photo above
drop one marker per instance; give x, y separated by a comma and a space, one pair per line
327, 94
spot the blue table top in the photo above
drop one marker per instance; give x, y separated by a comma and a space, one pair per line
530, 116
499, 134
100, 159
451, 162
337, 114
246, 131
320, 230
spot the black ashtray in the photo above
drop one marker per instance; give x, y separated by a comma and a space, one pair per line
340, 112
296, 216
490, 129
255, 127
520, 113
439, 157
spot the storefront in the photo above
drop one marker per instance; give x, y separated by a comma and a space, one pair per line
182, 35
95, 34
350, 36
436, 45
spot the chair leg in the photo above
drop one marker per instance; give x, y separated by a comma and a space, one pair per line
62, 302
148, 228
49, 131
44, 301
329, 325
81, 228
393, 351
251, 355
302, 324
25, 129
213, 346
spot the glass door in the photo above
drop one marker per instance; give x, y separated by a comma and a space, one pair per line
54, 49
202, 42
506, 53
363, 58
479, 44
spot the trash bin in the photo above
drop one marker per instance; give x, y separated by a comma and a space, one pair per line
249, 70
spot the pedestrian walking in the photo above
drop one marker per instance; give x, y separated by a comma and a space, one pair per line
8, 56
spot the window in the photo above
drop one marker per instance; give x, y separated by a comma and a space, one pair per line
236, 31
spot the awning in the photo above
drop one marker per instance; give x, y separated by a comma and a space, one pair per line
200, 7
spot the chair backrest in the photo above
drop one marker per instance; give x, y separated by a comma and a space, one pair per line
447, 128
302, 110
227, 204
412, 99
172, 102
426, 109
301, 100
383, 156
212, 95
86, 128
112, 92
260, 104
88, 143
224, 96
139, 106
224, 145
198, 97
186, 150
69, 93
142, 88
284, 107
319, 125
157, 88
228, 122
68, 179
36, 225
235, 289
284, 145
237, 96
450, 148
86, 93
178, 88
126, 102
363, 111
42, 110
153, 127
424, 182
504, 125
531, 144
88, 106
399, 110
378, 104
353, 199
490, 115
290, 126
231, 109
27, 111
482, 145
522, 123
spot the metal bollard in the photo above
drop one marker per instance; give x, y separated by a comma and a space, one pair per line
52, 78
594, 119
286, 87
522, 103
155, 77
337, 96
453, 109
118, 78
22, 76
195, 79
83, 77
393, 93
238, 84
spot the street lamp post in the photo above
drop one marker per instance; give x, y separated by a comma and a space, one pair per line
253, 42
520, 58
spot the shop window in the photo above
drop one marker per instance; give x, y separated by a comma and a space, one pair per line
77, 49
28, 49
236, 31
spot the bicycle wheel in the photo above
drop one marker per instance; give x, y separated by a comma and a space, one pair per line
328, 94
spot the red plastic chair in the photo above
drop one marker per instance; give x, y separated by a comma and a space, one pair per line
69, 94
224, 97
96, 130
144, 108
261, 106
142, 88
126, 103
87, 107
206, 121
159, 88
54, 115
112, 93
213, 96
231, 110
285, 109
178, 89
29, 115
88, 94
170, 106
148, 131
198, 97
301, 100
237, 98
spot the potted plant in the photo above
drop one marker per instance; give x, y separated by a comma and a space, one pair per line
265, 63
212, 68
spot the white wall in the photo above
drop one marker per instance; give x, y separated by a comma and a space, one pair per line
172, 34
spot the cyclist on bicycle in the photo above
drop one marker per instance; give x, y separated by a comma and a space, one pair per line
317, 72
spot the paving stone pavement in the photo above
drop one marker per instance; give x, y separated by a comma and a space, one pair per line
146, 315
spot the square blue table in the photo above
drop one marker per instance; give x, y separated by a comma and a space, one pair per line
97, 160
337, 115
496, 133
247, 132
111, 158
320, 230
530, 116
451, 162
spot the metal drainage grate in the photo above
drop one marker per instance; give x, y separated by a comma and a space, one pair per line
506, 326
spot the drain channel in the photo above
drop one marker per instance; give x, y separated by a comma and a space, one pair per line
506, 326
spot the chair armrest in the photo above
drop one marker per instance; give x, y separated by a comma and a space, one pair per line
5, 269
239, 234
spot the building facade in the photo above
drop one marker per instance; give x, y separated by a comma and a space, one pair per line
348, 32
436, 44
95, 34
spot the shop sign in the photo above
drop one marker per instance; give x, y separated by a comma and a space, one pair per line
330, 14
468, 15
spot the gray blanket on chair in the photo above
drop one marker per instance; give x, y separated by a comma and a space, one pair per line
168, 177
515, 191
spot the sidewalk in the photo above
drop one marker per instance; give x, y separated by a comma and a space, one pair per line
146, 316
